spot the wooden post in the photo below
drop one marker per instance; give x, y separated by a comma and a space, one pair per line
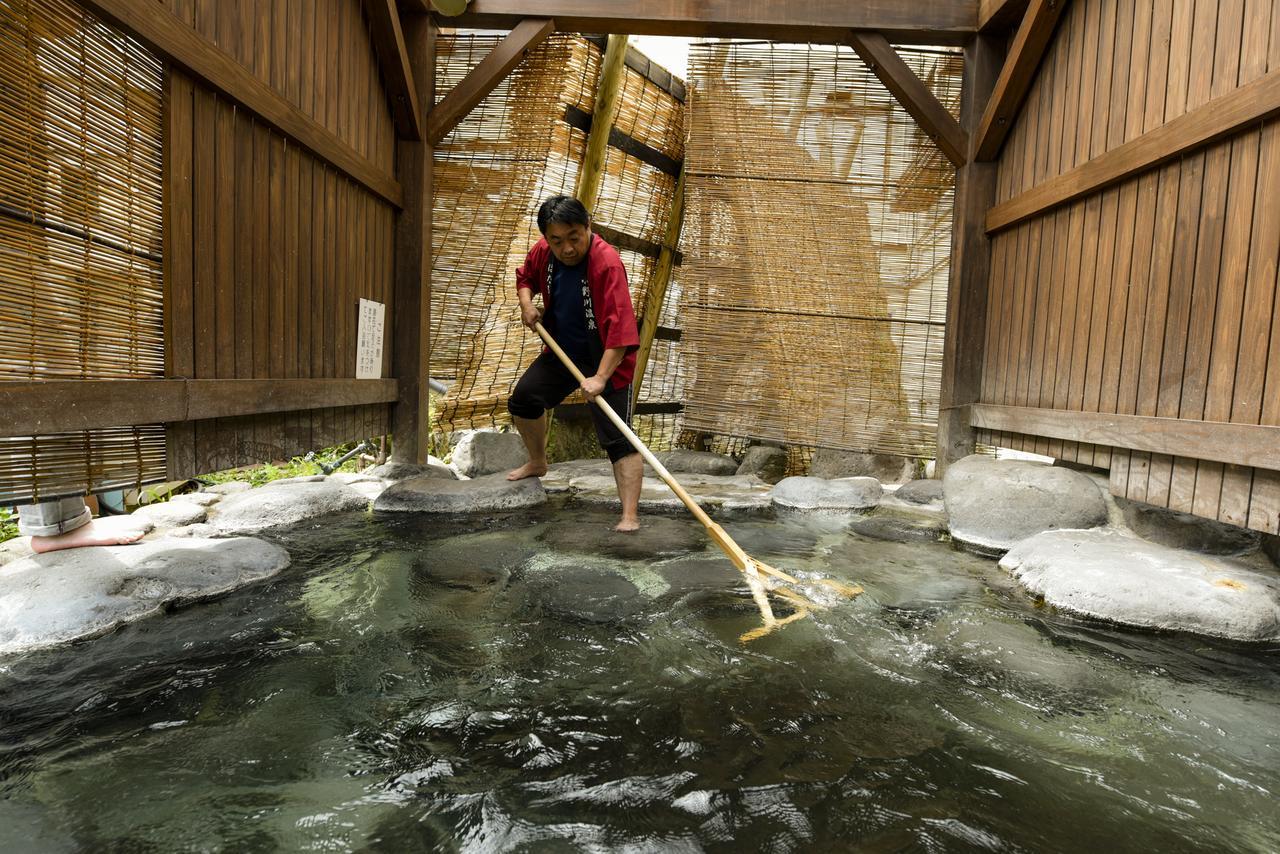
606, 110
411, 310
658, 287
970, 264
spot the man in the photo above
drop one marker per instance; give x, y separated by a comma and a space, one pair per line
67, 523
588, 312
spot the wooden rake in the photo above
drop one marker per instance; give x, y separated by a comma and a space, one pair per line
761, 578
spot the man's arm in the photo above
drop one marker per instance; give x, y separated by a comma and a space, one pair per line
529, 313
608, 364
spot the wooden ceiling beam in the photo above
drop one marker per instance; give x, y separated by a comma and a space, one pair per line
1017, 75
999, 16
912, 94
485, 77
824, 21
393, 59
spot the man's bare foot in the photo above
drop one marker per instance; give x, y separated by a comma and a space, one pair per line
528, 470
627, 525
93, 533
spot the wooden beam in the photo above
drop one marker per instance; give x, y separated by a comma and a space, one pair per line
1238, 444
826, 21
910, 91
411, 306
525, 35
1016, 77
658, 288
638, 245
1244, 107
962, 352
575, 116
393, 58
166, 34
998, 16
608, 88
60, 406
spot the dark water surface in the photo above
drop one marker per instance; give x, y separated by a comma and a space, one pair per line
465, 686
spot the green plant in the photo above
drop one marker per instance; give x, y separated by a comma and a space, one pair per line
8, 524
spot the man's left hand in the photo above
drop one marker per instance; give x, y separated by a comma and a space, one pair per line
593, 386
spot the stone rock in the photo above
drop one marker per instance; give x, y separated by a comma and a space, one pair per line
887, 468
203, 499
302, 478
202, 530
482, 452
815, 494
346, 478
404, 471
708, 490
900, 526
265, 508
687, 576
1119, 578
170, 514
474, 562
231, 487
658, 536
15, 549
589, 595
921, 491
991, 504
698, 462
479, 495
560, 475
1184, 531
745, 506
765, 462
69, 595
1271, 547
370, 489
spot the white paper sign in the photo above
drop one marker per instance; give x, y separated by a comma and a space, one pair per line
369, 340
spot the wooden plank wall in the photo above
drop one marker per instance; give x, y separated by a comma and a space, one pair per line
271, 248
1155, 296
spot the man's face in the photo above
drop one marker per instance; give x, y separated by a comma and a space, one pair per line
568, 242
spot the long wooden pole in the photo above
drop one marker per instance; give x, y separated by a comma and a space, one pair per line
658, 287
606, 111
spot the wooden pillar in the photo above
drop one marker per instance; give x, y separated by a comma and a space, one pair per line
658, 287
602, 118
411, 311
970, 263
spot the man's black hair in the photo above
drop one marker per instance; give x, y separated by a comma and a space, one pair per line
565, 210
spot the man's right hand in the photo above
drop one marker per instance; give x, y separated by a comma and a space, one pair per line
530, 314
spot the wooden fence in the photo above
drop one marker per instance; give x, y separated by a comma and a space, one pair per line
1131, 314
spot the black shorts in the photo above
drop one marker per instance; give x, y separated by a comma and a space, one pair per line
547, 382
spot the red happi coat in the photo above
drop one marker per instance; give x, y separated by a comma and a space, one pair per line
613, 318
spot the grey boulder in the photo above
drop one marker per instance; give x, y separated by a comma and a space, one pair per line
404, 471
992, 505
478, 495
698, 462
900, 525
482, 452
766, 462
1122, 579
73, 594
286, 504
589, 595
921, 491
171, 514
231, 487
887, 468
658, 536
815, 494
1184, 531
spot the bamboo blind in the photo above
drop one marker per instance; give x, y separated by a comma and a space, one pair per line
491, 173
816, 245
80, 236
